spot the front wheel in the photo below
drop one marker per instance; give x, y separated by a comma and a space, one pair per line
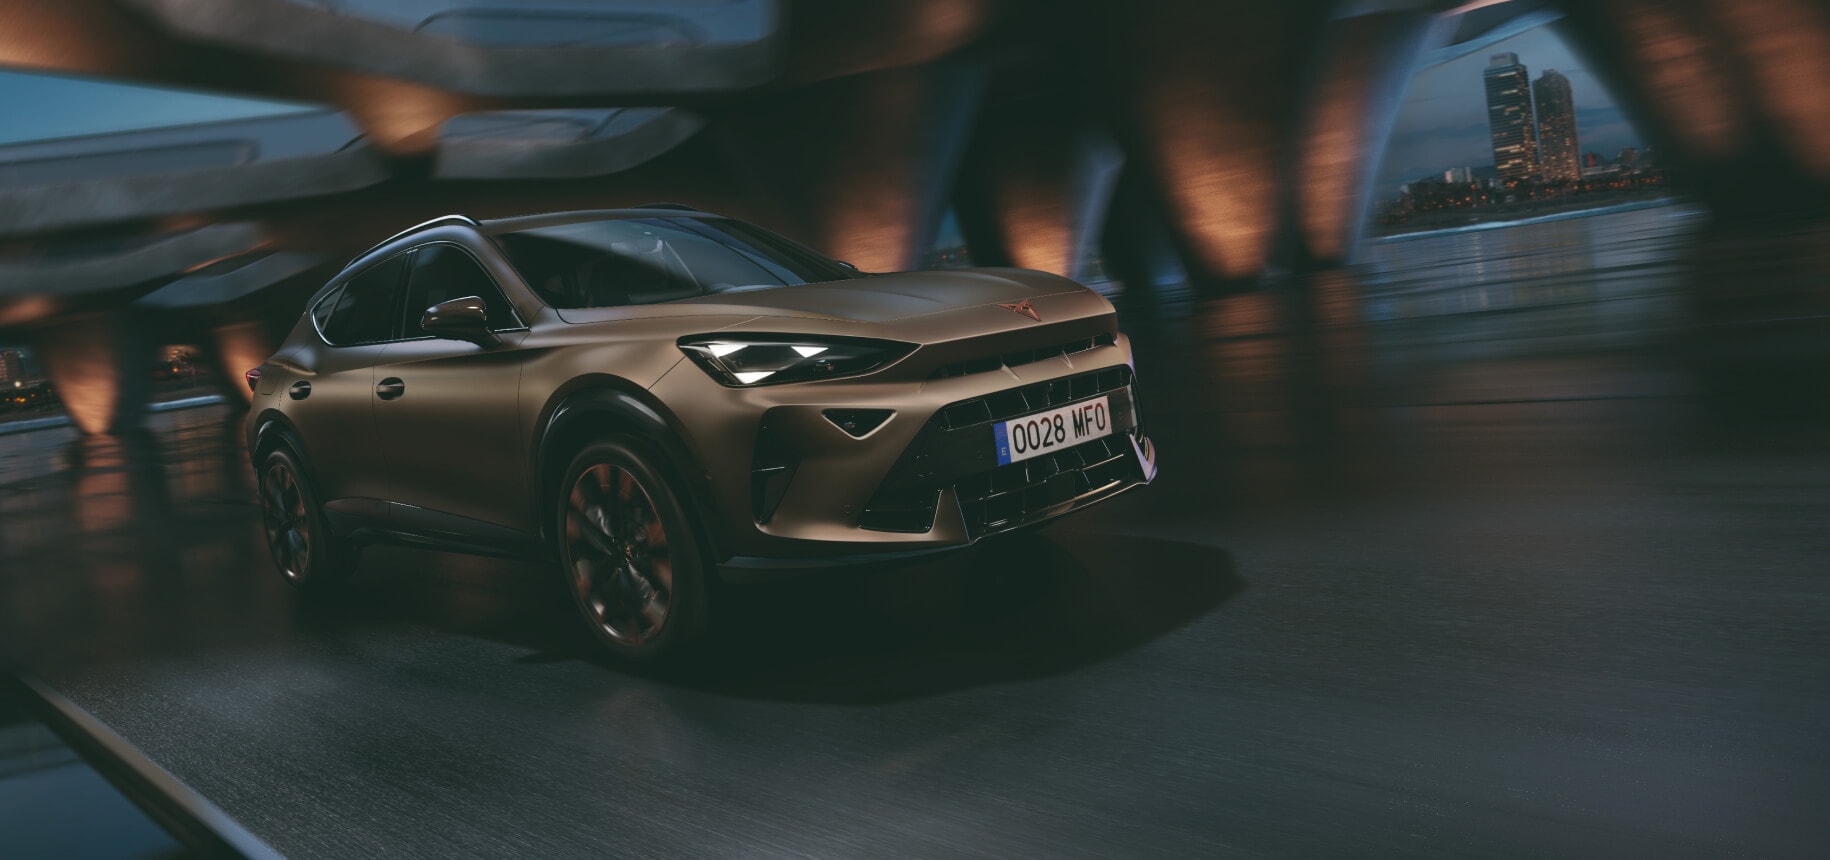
308, 556
635, 567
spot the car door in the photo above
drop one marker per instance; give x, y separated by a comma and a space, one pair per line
446, 409
331, 402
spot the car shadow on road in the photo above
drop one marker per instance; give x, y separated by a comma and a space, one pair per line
1029, 607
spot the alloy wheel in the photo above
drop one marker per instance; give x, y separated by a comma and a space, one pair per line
617, 549
288, 526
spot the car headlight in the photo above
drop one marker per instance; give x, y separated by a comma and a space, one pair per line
746, 360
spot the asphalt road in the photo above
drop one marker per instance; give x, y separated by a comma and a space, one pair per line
1523, 604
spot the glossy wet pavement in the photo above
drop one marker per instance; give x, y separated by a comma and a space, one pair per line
1525, 601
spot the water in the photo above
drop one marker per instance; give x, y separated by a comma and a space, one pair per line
1606, 281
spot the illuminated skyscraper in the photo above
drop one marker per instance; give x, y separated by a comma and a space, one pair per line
11, 369
1509, 118
1557, 127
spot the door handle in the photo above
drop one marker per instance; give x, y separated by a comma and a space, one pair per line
299, 390
390, 388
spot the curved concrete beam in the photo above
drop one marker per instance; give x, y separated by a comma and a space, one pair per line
835, 38
566, 47
230, 280
36, 288
87, 181
552, 144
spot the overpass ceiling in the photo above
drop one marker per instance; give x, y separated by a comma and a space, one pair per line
553, 48
1466, 27
1481, 26
549, 144
231, 279
80, 182
70, 276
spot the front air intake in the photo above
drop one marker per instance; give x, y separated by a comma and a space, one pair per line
953, 452
771, 470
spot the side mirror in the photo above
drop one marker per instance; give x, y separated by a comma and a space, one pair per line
464, 319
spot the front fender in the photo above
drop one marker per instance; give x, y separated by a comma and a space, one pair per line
590, 413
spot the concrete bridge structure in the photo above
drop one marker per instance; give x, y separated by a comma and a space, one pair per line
1221, 140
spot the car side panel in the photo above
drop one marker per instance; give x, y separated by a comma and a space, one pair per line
336, 419
450, 440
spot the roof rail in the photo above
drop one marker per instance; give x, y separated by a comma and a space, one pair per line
678, 206
436, 222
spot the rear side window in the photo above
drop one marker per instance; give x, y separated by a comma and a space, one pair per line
363, 310
442, 273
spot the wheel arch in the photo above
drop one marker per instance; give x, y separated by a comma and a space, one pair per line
594, 407
272, 429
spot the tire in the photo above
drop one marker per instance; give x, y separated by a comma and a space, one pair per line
630, 558
308, 556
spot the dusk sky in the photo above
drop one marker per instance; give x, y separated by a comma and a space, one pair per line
1443, 121
41, 106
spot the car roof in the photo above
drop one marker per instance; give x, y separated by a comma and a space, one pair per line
498, 226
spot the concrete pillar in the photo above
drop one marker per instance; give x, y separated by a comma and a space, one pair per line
1784, 47
233, 348
1359, 72
100, 365
1202, 98
1036, 186
1725, 91
861, 167
1136, 240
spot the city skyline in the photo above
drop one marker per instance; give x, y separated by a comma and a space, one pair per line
1442, 122
1559, 133
1511, 123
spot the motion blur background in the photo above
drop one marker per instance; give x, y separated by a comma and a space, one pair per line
1484, 343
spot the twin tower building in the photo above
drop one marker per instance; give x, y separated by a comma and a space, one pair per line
1528, 145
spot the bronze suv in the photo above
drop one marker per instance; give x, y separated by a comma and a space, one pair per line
655, 397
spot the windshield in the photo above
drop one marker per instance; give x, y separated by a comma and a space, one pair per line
639, 261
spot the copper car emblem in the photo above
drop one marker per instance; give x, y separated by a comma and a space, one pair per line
1024, 308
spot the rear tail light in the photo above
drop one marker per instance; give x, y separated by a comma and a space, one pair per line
253, 377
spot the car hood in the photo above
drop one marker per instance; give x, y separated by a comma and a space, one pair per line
876, 299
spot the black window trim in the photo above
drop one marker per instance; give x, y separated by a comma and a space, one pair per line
400, 331
344, 285
400, 314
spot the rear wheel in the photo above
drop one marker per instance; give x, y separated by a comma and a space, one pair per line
307, 555
634, 566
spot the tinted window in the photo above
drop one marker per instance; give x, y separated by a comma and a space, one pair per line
640, 261
444, 272
363, 310
322, 310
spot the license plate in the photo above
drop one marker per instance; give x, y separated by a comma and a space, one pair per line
1034, 435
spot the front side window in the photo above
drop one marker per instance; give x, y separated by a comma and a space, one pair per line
444, 272
362, 310
639, 261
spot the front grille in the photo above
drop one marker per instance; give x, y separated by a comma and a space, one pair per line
956, 450
1005, 405
1010, 495
1022, 356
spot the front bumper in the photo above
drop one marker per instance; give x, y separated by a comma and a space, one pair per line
790, 488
